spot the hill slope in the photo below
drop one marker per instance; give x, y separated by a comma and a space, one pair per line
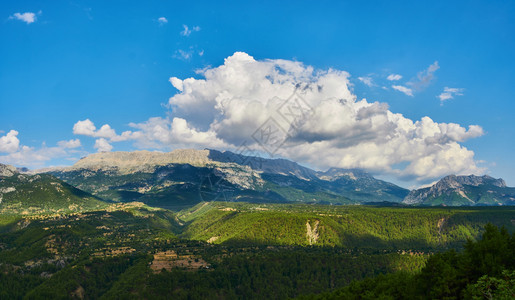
344, 226
41, 194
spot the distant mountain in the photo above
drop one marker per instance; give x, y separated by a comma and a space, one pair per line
186, 177
470, 190
360, 185
41, 194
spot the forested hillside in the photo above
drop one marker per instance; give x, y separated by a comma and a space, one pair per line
228, 250
343, 226
484, 270
22, 194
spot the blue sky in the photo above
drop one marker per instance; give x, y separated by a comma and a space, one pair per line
110, 62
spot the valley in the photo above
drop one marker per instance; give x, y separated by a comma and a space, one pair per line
224, 150
195, 224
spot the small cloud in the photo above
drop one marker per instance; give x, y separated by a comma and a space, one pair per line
449, 93
9, 142
21, 155
394, 77
425, 77
187, 31
85, 127
403, 89
203, 70
102, 145
27, 17
188, 53
71, 144
367, 80
162, 20
182, 54
88, 128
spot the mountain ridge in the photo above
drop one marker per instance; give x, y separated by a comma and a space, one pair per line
182, 173
189, 173
463, 190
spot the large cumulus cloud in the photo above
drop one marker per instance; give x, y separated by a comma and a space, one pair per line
231, 102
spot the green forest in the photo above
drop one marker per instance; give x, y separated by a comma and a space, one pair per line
224, 250
485, 269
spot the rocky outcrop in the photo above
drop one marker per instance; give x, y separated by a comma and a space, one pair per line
312, 233
7, 171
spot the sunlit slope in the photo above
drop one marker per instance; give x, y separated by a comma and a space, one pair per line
43, 194
347, 226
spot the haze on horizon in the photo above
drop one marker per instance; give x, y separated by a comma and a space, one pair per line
409, 99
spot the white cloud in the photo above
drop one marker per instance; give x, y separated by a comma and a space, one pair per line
228, 105
31, 157
27, 17
176, 82
188, 54
424, 78
165, 133
403, 89
88, 128
367, 80
102, 145
85, 127
449, 93
21, 155
394, 77
187, 31
183, 54
162, 20
9, 142
71, 144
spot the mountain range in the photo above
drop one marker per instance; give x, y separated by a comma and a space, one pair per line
183, 178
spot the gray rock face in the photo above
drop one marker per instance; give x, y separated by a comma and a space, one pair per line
7, 171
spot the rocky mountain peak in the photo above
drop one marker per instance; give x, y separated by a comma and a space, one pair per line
452, 184
453, 181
